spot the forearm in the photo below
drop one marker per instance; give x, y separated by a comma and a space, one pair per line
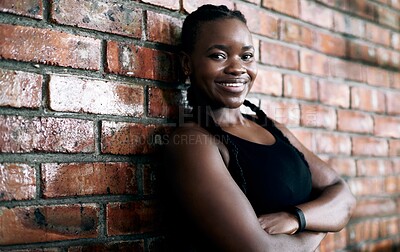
306, 241
331, 210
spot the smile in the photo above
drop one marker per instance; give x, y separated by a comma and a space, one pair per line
231, 84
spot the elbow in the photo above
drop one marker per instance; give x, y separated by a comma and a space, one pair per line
347, 212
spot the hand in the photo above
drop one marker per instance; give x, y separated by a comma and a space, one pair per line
279, 223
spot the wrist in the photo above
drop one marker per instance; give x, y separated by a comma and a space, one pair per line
298, 213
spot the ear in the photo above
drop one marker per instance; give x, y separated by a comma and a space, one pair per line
186, 63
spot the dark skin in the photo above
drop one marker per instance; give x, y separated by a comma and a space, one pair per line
222, 69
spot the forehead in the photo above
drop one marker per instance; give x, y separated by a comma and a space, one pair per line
223, 31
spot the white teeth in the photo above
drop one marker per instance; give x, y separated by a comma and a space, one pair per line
232, 84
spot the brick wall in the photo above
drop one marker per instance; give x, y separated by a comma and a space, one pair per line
88, 88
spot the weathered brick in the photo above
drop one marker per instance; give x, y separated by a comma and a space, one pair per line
361, 51
329, 44
346, 69
95, 96
395, 4
374, 207
318, 116
296, 33
395, 40
259, 21
329, 143
394, 59
168, 4
371, 186
28, 8
190, 6
164, 102
279, 55
79, 179
316, 14
374, 167
362, 8
300, 87
48, 223
393, 103
370, 146
132, 217
18, 181
163, 28
386, 126
306, 137
150, 179
384, 57
388, 17
22, 134
130, 138
289, 7
336, 94
395, 80
116, 17
268, 82
314, 63
130, 246
20, 89
392, 184
355, 121
368, 99
49, 47
394, 148
377, 34
349, 24
285, 112
132, 60
343, 166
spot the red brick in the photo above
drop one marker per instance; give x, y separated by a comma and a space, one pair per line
190, 6
393, 103
122, 18
49, 47
95, 96
362, 51
395, 4
163, 28
386, 126
296, 33
377, 34
48, 223
78, 179
318, 116
370, 146
336, 94
314, 63
259, 21
328, 143
346, 69
128, 246
384, 57
355, 121
129, 138
300, 87
394, 59
343, 166
268, 82
289, 7
395, 80
348, 24
150, 179
316, 14
363, 186
377, 76
329, 44
279, 55
20, 89
306, 137
168, 4
18, 182
132, 60
132, 217
362, 8
287, 113
395, 40
388, 17
164, 103
367, 99
374, 207
392, 184
389, 227
19, 134
28, 8
374, 167
394, 148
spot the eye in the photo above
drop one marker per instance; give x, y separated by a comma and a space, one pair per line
217, 56
247, 56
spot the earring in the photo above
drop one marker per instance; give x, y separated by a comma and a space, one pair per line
186, 72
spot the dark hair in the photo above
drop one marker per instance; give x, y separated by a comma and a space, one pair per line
203, 14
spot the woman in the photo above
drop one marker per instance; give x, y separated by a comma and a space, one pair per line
244, 183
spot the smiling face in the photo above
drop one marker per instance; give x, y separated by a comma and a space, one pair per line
222, 67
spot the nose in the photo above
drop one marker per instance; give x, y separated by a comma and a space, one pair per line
235, 67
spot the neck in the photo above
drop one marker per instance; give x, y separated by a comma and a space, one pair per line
225, 117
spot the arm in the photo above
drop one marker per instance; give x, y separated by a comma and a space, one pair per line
218, 206
333, 207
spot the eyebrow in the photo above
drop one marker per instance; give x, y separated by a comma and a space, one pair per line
224, 47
